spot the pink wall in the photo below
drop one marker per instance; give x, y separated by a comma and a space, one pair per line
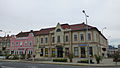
23, 47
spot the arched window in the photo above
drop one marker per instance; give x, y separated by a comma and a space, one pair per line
58, 30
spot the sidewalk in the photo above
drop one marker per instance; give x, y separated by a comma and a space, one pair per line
104, 63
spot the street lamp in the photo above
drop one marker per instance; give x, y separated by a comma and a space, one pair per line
103, 29
87, 37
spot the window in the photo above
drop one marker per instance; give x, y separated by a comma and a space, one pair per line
76, 51
58, 38
46, 40
82, 37
89, 36
53, 39
30, 43
12, 43
91, 51
53, 52
16, 52
58, 30
41, 40
75, 37
21, 43
30, 52
16, 43
66, 38
66, 51
20, 52
46, 52
25, 43
83, 52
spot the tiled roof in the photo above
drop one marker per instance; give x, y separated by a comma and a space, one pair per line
64, 26
47, 30
25, 34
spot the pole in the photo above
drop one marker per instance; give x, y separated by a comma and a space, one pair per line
87, 37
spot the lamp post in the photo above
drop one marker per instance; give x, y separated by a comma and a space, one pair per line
87, 36
103, 29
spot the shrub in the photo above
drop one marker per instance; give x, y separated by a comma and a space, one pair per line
28, 56
85, 61
7, 56
15, 57
98, 58
23, 56
59, 60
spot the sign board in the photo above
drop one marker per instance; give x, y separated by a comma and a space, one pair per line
82, 44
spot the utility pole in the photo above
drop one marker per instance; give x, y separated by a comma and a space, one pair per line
87, 37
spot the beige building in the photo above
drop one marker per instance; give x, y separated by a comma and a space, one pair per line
65, 39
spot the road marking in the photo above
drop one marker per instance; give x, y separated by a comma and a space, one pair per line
59, 67
32, 67
6, 67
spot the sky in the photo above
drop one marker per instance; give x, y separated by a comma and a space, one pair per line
26, 15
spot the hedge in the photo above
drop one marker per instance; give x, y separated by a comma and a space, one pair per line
59, 60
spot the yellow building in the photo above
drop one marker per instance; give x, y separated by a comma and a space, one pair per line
65, 39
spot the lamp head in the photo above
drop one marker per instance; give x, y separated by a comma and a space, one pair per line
83, 11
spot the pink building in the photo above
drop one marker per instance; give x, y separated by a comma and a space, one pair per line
22, 43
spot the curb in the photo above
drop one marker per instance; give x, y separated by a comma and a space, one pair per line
58, 63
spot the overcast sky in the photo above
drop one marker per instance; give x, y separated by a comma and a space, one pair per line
26, 15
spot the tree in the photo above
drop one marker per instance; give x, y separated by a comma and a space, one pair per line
116, 57
98, 58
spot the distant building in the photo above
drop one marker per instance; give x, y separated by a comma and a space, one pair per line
5, 44
119, 48
111, 51
22, 43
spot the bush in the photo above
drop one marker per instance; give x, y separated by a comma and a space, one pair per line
7, 56
85, 61
28, 56
23, 56
59, 60
15, 57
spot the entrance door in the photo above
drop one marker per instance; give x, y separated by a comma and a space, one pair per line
59, 52
41, 53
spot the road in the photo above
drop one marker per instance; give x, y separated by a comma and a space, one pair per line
32, 65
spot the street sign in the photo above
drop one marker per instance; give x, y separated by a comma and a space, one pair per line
82, 44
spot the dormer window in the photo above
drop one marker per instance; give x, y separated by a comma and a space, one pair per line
58, 30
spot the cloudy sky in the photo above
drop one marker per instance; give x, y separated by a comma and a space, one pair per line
26, 15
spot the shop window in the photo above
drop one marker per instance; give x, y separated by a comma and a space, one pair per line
53, 52
46, 52
76, 52
83, 52
66, 51
91, 51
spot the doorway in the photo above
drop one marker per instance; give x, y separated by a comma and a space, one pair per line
59, 52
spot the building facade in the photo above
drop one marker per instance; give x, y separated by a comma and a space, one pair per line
22, 43
5, 44
65, 39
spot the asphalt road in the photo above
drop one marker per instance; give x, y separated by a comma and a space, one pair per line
31, 65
